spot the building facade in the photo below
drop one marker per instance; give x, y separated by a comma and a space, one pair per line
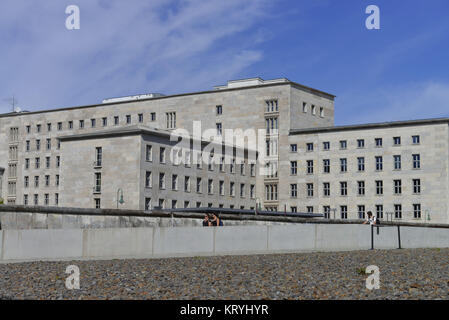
44, 155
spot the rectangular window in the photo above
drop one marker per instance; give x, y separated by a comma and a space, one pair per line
326, 189
361, 188
153, 116
326, 145
36, 181
272, 106
293, 148
48, 127
398, 211
361, 211
242, 190
147, 204
415, 139
343, 144
56, 199
97, 203
171, 120
309, 147
98, 156
162, 155
148, 179
46, 199
379, 187
397, 187
198, 185
309, 166
37, 163
271, 124
93, 123
58, 161
378, 142
397, 162
128, 119
161, 180
38, 144
361, 164
294, 190
293, 168
116, 120
38, 128
187, 184
70, 125
221, 188
219, 110
219, 129
417, 211
417, 186
104, 121
343, 165
252, 191
379, 211
47, 180
416, 161
25, 199
174, 182
149, 153
379, 163
232, 189
360, 143
326, 166
344, 212
344, 188
140, 116
59, 126
81, 124
397, 141
310, 189
97, 187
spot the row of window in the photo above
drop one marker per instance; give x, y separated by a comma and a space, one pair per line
187, 160
378, 142
187, 181
361, 187
397, 211
313, 109
38, 145
37, 162
186, 204
34, 199
379, 164
47, 181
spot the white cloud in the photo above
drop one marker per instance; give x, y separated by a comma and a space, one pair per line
123, 47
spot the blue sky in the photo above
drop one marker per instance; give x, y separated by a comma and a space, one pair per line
172, 46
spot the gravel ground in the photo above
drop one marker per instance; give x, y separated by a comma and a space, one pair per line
404, 274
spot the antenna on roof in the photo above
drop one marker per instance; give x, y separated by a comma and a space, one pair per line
13, 102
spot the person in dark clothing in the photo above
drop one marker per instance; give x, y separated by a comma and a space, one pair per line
216, 221
206, 221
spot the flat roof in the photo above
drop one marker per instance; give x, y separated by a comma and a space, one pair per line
267, 84
137, 130
380, 125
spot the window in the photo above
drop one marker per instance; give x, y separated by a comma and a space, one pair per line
26, 181
38, 128
326, 189
310, 189
97, 188
27, 163
417, 186
174, 182
416, 161
116, 122
198, 204
294, 190
326, 145
153, 116
57, 180
379, 163
70, 125
148, 180
271, 124
37, 163
326, 166
397, 187
27, 148
253, 169
59, 126
327, 212
162, 203
309, 147
25, 199
309, 166
379, 187
140, 117
397, 162
378, 142
293, 148
97, 203
252, 191
360, 143
93, 122
219, 110
398, 211
272, 105
38, 144
321, 112
344, 212
174, 204
46, 199
104, 121
232, 189
242, 190
304, 107
161, 180
343, 144
149, 153
379, 211
98, 156
361, 211
232, 167
310, 209
48, 127
242, 169
415, 139
28, 129
128, 119
219, 129
344, 188
187, 184
186, 204
36, 199
343, 165
147, 204
361, 164
56, 199
221, 188
48, 144
397, 141
81, 124
417, 211
171, 120
58, 161
361, 188
271, 192
294, 209
47, 180
162, 155
198, 185
293, 168
313, 109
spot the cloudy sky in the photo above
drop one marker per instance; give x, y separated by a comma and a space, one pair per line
172, 46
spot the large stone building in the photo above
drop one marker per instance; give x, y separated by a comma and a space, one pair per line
50, 157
